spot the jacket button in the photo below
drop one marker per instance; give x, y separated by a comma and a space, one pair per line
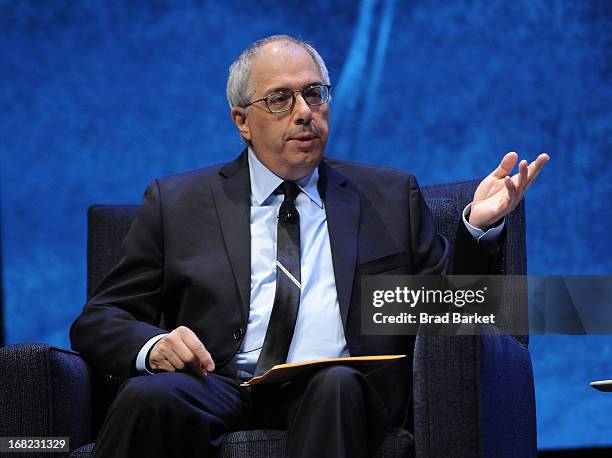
238, 334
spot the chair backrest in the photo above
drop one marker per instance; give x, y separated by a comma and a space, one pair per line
107, 226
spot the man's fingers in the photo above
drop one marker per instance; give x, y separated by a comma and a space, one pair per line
177, 358
536, 166
183, 352
165, 354
196, 368
522, 175
189, 359
506, 165
499, 201
176, 351
163, 366
512, 191
179, 350
526, 176
197, 348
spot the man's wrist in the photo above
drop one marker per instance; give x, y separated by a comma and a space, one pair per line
148, 361
489, 234
142, 360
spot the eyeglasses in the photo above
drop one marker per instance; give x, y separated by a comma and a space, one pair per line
281, 101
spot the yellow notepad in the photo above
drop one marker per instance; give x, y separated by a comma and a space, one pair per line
287, 372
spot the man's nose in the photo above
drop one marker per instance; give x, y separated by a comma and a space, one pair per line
302, 112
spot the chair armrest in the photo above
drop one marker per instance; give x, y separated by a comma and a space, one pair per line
507, 398
473, 396
46, 391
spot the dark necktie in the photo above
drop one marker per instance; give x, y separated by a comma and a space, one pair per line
287, 297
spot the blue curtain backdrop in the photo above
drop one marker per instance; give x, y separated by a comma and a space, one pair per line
99, 97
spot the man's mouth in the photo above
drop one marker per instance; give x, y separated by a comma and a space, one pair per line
304, 137
304, 142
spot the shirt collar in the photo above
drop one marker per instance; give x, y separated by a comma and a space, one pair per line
264, 182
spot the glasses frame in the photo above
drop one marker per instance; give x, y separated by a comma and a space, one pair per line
265, 99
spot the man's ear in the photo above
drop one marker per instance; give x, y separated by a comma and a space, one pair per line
240, 119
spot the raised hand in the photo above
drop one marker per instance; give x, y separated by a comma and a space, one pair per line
181, 350
498, 194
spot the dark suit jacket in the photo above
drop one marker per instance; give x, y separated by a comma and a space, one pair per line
187, 256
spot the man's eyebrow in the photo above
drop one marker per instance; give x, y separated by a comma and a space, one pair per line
288, 89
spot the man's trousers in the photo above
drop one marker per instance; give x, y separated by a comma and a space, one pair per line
334, 412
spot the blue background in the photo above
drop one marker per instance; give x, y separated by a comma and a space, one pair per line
98, 97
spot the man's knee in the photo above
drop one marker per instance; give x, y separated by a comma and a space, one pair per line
148, 390
338, 373
338, 379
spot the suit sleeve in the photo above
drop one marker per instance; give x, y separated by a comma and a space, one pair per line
124, 309
430, 250
470, 257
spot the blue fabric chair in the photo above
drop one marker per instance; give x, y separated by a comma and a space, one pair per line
473, 395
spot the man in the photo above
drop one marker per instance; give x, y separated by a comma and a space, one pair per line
257, 262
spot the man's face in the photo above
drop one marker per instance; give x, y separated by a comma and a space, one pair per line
291, 143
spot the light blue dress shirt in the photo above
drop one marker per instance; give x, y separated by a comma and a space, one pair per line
318, 330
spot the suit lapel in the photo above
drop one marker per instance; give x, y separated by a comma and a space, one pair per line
342, 211
231, 195
232, 201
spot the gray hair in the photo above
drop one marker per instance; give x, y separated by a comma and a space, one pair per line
240, 70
